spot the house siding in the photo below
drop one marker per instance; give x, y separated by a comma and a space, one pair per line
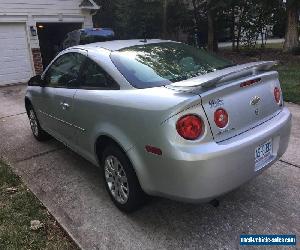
40, 7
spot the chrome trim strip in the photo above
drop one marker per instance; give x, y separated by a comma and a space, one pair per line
62, 121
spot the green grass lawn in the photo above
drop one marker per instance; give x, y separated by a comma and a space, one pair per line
289, 76
18, 207
288, 68
271, 46
258, 46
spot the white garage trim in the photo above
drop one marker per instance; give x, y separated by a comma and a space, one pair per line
89, 5
57, 19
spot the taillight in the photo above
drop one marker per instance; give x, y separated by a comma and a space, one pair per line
250, 82
190, 127
221, 118
277, 95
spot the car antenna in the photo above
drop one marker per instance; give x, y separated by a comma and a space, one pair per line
144, 35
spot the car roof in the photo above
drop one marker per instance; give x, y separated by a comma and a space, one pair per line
119, 44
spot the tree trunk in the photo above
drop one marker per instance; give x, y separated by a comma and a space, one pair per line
198, 42
238, 38
211, 31
262, 39
292, 32
164, 24
195, 11
239, 28
232, 28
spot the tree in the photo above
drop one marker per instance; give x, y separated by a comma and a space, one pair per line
104, 17
179, 21
210, 26
246, 20
292, 29
210, 9
198, 14
251, 19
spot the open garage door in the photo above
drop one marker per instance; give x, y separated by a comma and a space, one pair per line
51, 36
14, 58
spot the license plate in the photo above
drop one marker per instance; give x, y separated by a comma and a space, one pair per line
262, 153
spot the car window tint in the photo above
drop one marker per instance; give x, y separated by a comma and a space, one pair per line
93, 76
64, 72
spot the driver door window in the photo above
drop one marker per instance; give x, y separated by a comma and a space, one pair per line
64, 72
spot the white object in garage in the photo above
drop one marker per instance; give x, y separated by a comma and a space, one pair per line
15, 61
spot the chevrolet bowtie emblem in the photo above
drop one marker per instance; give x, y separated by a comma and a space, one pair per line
255, 100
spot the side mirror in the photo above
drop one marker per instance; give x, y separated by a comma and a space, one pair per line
36, 81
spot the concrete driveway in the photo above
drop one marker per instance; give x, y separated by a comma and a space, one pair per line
73, 191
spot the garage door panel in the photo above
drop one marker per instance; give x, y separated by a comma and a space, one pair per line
11, 58
9, 35
12, 65
13, 70
16, 51
18, 61
18, 77
13, 74
18, 43
14, 54
15, 58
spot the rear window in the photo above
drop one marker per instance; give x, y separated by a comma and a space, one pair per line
158, 64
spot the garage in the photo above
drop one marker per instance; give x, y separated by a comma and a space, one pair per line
51, 36
31, 33
15, 59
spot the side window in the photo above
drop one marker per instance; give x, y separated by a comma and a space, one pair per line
94, 77
64, 72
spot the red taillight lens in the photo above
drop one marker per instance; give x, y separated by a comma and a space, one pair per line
190, 127
221, 118
250, 82
277, 95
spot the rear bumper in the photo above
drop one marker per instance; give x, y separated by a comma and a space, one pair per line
209, 170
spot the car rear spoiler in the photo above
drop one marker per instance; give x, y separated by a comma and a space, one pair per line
213, 78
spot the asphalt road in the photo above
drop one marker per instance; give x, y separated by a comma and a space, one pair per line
73, 191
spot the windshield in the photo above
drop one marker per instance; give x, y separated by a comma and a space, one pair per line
158, 64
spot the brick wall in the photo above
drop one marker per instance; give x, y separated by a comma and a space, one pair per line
37, 60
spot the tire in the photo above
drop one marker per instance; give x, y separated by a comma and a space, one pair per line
36, 129
121, 181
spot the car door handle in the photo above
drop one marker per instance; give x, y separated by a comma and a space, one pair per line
64, 105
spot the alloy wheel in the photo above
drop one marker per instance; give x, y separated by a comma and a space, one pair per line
33, 123
116, 179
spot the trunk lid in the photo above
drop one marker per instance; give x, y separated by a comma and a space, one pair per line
248, 105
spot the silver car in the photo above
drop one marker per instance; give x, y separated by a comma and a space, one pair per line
162, 118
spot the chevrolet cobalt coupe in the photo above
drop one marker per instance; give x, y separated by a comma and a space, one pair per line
162, 118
